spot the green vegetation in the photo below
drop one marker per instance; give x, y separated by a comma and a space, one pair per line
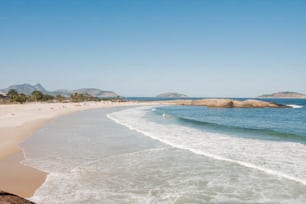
77, 97
37, 96
22, 98
14, 97
48, 97
60, 98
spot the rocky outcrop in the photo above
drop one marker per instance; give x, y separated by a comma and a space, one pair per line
224, 103
8, 198
257, 104
228, 103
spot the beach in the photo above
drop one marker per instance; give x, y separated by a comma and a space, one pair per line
17, 123
153, 152
171, 154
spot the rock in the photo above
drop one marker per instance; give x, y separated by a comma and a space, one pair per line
224, 103
228, 103
8, 198
256, 104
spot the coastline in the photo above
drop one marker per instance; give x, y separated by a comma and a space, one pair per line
17, 123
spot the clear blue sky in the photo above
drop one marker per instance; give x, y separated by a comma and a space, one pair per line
224, 48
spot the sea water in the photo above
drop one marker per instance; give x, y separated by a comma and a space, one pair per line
173, 154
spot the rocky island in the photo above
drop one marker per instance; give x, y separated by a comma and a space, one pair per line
172, 95
228, 103
285, 94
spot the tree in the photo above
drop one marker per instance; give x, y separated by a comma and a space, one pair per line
22, 98
79, 97
47, 97
60, 98
37, 95
13, 95
76, 97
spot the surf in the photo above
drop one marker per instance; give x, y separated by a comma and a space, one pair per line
265, 156
295, 106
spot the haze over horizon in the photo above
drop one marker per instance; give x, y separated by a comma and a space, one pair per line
144, 48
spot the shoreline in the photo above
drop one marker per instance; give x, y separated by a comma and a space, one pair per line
17, 123
19, 179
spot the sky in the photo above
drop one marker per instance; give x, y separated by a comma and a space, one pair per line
209, 48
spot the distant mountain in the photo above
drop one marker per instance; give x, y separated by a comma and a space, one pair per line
96, 92
63, 92
40, 88
28, 89
172, 95
285, 94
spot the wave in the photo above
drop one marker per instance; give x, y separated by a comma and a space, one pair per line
284, 159
295, 106
251, 131
265, 133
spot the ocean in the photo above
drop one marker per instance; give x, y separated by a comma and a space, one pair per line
173, 154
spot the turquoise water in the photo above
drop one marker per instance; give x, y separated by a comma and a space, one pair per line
173, 154
265, 123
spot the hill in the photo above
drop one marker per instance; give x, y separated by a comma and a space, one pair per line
172, 95
28, 89
285, 94
96, 93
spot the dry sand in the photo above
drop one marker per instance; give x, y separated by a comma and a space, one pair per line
19, 121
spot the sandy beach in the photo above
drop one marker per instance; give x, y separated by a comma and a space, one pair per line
17, 123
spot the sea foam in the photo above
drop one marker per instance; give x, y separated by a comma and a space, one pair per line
91, 159
295, 106
282, 159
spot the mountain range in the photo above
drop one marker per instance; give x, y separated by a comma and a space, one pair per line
28, 89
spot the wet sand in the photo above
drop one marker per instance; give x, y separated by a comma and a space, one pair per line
19, 179
17, 123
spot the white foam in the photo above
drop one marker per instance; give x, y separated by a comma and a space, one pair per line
166, 116
283, 159
294, 106
106, 186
